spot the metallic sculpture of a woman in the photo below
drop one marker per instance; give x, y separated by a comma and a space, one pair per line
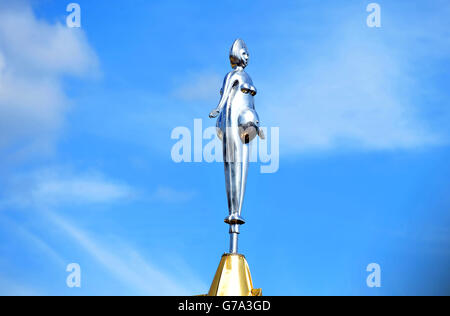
237, 125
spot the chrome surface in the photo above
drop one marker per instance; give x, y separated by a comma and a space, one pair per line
237, 125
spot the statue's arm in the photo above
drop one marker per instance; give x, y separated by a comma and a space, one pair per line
228, 84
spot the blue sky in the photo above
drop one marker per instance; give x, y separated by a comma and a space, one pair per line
86, 174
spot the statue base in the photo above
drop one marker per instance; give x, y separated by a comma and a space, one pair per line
233, 278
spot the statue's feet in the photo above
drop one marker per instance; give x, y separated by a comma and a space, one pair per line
234, 219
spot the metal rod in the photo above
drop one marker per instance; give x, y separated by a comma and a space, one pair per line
234, 234
234, 243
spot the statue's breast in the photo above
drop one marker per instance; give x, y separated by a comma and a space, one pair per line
246, 84
248, 89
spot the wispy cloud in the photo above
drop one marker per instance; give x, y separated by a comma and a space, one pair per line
10, 287
352, 92
34, 242
128, 266
167, 194
34, 57
204, 85
55, 188
61, 186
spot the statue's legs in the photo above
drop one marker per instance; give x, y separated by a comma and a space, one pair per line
235, 155
244, 172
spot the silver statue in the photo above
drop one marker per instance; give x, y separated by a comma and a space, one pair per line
237, 125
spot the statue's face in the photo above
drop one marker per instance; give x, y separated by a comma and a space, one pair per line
244, 56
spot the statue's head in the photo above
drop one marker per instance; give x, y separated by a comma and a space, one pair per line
239, 54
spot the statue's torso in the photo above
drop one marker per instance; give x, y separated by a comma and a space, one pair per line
239, 108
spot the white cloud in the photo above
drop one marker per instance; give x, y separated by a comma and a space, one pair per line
32, 241
128, 266
85, 189
10, 287
352, 92
58, 186
54, 188
34, 57
63, 186
204, 85
167, 194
